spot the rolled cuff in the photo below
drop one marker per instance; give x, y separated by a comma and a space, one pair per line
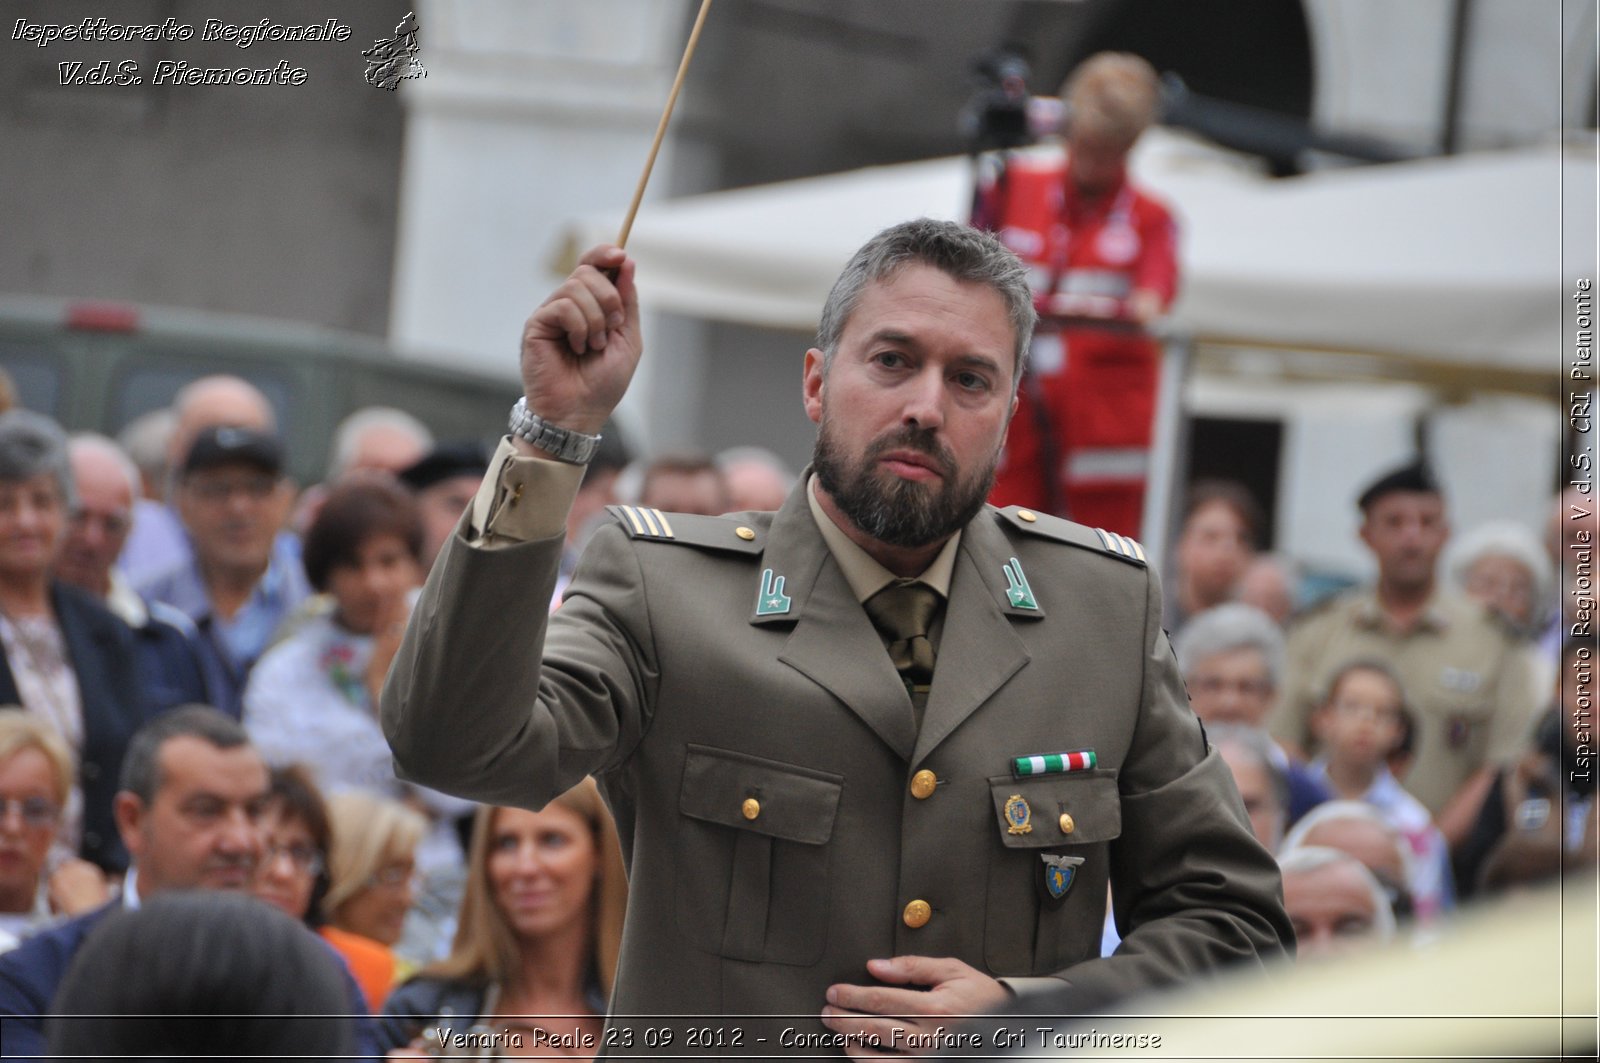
522, 499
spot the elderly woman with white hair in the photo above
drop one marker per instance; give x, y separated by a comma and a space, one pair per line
64, 658
1503, 565
1417, 884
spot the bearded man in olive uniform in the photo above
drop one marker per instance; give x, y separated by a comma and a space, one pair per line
873, 757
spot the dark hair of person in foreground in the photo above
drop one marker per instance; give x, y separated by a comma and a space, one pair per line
201, 974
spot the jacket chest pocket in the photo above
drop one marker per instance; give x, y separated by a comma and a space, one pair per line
752, 874
1047, 882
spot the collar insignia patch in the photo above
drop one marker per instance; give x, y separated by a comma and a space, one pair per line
1018, 592
772, 601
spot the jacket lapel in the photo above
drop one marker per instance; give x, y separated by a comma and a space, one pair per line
88, 640
833, 642
978, 649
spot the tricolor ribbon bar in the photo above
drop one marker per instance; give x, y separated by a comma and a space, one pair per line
1053, 763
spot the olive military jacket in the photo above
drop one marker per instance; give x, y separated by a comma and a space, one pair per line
782, 817
1469, 683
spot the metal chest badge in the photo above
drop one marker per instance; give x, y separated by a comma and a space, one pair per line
1018, 815
1059, 874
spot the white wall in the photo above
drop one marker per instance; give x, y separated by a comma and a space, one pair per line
1381, 67
1495, 456
530, 114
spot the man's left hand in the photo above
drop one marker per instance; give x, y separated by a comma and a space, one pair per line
874, 1012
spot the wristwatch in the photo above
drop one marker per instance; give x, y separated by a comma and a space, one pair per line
562, 444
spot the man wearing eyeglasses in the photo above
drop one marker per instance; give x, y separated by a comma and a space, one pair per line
244, 580
193, 792
171, 668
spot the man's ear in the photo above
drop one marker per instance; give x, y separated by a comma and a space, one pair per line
812, 384
129, 811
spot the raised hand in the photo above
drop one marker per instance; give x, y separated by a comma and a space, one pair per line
580, 348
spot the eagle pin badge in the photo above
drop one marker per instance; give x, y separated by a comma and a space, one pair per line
1059, 874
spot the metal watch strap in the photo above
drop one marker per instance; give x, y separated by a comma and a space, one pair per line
562, 444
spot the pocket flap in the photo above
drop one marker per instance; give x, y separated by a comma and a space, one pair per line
1034, 813
765, 796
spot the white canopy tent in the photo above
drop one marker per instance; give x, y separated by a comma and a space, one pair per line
1453, 260
1452, 271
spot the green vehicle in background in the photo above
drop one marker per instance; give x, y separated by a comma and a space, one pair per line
95, 366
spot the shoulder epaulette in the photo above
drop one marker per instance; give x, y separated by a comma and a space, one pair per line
687, 529
1065, 531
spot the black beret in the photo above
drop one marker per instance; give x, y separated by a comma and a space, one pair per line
445, 462
1416, 476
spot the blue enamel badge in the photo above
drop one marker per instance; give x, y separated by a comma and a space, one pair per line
1059, 874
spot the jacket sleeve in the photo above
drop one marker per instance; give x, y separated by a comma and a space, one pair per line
29, 977
493, 699
1192, 889
424, 1003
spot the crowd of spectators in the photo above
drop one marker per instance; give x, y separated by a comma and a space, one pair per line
1416, 740
179, 567
1397, 746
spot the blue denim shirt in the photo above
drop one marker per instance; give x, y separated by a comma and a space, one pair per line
230, 648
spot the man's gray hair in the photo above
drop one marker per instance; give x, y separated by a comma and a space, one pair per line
347, 436
32, 444
1227, 627
141, 764
959, 251
106, 447
752, 455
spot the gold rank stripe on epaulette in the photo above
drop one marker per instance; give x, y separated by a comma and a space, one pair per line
646, 523
728, 534
1121, 545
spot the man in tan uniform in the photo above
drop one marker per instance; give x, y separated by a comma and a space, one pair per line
829, 844
1468, 680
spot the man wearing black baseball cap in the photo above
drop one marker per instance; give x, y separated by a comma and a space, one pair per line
1467, 677
243, 581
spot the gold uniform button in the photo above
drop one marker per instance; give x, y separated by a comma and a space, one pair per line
923, 784
1067, 825
751, 808
917, 914
744, 533
1027, 515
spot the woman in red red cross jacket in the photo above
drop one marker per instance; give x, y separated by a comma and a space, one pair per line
1103, 260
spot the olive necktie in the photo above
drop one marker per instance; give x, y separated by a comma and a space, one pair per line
902, 612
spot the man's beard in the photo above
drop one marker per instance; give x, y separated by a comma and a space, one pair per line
897, 511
